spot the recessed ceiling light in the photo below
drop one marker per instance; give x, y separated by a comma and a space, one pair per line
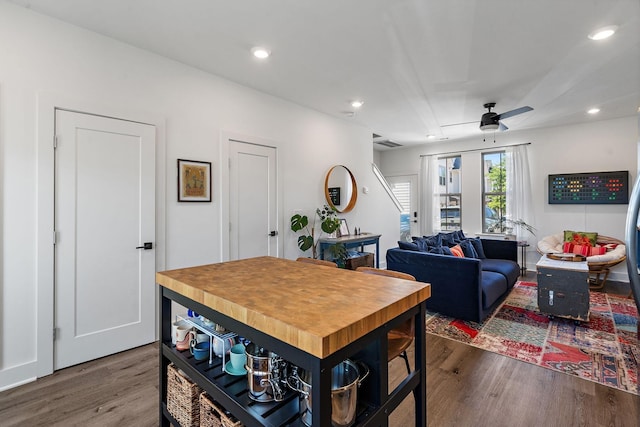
260, 52
593, 110
430, 136
603, 33
357, 104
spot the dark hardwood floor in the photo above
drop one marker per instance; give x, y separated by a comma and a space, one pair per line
466, 387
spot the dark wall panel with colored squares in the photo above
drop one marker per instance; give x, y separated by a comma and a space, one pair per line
589, 188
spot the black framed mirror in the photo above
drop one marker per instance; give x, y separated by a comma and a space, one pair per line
340, 189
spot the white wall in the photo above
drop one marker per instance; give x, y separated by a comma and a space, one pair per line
607, 145
42, 57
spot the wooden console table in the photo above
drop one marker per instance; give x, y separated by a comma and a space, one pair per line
353, 241
312, 316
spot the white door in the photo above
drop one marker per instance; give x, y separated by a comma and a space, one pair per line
104, 211
405, 188
253, 209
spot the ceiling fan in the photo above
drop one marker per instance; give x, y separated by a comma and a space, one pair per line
491, 120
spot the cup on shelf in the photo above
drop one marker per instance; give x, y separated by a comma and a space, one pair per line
185, 343
202, 337
200, 350
179, 330
222, 345
238, 357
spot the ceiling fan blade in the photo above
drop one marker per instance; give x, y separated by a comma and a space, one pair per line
459, 124
513, 112
502, 127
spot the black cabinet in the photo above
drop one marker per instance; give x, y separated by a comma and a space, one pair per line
563, 289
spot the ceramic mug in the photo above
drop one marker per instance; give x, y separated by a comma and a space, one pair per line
222, 345
200, 350
238, 357
185, 343
178, 330
202, 338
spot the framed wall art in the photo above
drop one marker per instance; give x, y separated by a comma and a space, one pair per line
194, 181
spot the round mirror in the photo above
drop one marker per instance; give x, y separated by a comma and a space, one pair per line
340, 189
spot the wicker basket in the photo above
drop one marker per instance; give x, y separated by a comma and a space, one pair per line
213, 415
182, 398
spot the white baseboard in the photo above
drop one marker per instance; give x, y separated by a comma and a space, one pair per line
17, 375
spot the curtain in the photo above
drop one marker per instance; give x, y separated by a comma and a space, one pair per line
429, 197
518, 192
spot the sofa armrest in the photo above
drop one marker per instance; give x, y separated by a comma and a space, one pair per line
455, 282
500, 249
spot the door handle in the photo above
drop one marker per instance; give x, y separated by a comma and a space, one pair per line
273, 233
145, 246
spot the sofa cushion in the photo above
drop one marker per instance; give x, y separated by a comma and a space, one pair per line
448, 239
494, 286
433, 240
468, 249
408, 246
509, 269
581, 237
422, 244
477, 245
457, 251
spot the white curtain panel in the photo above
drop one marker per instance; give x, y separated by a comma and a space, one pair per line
430, 203
519, 200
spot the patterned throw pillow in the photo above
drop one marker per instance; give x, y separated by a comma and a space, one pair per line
587, 250
477, 245
580, 237
457, 251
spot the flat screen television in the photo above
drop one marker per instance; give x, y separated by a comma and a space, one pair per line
591, 188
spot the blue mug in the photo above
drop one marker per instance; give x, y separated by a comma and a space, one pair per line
200, 350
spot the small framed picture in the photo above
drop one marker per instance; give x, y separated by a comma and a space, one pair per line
194, 181
344, 228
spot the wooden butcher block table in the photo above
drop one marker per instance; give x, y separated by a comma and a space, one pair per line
312, 316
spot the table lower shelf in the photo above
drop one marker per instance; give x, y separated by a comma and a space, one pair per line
232, 392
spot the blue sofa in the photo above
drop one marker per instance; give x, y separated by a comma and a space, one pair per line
463, 288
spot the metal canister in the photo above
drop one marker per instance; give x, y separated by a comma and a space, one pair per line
266, 374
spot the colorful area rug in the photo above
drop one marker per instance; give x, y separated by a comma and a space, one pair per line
604, 350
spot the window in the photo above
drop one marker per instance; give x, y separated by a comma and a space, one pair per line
494, 186
449, 169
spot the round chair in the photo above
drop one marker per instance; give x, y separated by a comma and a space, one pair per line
599, 265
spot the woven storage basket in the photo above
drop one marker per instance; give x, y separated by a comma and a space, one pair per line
182, 398
213, 415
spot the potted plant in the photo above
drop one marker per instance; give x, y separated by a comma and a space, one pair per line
329, 223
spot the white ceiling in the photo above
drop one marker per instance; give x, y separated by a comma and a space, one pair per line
419, 65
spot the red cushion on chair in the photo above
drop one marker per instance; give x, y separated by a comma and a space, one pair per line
567, 247
598, 250
582, 250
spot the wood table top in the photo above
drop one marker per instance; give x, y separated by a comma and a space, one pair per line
314, 308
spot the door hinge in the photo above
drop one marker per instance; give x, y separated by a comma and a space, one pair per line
56, 333
55, 237
55, 141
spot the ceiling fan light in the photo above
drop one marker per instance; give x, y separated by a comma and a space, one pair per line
603, 33
357, 103
489, 127
594, 110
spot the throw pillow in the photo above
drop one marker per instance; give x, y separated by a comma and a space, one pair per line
408, 246
467, 249
457, 251
422, 243
437, 250
598, 250
567, 247
581, 237
433, 240
446, 250
459, 235
584, 250
448, 239
477, 245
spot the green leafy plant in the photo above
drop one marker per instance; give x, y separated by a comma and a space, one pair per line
329, 223
508, 225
